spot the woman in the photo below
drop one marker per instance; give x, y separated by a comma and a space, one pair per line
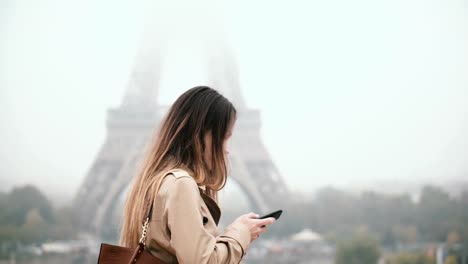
180, 178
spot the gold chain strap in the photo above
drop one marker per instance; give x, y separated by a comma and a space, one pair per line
145, 230
145, 226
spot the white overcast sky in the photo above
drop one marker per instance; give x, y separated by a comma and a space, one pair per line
349, 91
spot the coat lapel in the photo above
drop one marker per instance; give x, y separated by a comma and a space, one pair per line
212, 206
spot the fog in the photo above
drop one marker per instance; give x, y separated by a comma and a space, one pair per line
351, 93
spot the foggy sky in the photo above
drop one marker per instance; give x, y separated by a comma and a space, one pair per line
350, 92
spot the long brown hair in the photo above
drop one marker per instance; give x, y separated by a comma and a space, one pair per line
180, 143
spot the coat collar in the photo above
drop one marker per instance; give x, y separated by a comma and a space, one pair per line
211, 204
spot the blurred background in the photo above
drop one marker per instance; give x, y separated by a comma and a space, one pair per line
353, 120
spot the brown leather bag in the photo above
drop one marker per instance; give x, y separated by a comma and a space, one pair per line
121, 255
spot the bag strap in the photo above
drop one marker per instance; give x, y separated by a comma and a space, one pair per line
145, 225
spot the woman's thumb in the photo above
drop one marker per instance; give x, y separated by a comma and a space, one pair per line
252, 215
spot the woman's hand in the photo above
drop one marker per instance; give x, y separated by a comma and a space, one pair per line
256, 226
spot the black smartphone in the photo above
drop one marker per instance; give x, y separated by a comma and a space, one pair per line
275, 214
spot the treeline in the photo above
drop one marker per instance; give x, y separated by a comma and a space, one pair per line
28, 217
437, 216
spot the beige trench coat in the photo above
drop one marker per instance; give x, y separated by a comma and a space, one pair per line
183, 228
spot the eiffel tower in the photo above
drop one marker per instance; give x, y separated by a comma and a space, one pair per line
131, 125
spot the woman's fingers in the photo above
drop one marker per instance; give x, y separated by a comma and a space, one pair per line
266, 221
262, 230
257, 231
254, 236
255, 225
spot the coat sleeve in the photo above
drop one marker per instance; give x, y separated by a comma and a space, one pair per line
191, 241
